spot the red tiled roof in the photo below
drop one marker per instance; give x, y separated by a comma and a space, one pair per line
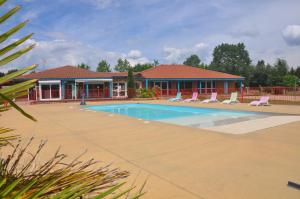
183, 72
71, 72
159, 72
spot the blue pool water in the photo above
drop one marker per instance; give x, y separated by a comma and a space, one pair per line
180, 115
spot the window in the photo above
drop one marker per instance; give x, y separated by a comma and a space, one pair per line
50, 90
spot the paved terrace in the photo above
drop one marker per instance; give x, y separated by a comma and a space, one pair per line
181, 162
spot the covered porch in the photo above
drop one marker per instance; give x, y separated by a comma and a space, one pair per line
71, 89
170, 87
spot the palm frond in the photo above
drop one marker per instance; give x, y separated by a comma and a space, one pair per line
16, 55
4, 98
2, 2
9, 14
13, 30
14, 44
11, 76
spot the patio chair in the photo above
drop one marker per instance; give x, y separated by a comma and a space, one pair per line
194, 97
177, 98
233, 99
213, 98
263, 101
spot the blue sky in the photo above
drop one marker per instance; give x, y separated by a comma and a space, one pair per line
75, 31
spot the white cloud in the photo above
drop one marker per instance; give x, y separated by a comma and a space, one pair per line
60, 52
177, 55
102, 4
134, 54
245, 32
291, 35
135, 57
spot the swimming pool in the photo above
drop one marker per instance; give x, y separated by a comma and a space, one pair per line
180, 115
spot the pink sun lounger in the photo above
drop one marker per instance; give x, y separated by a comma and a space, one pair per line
264, 100
194, 97
213, 98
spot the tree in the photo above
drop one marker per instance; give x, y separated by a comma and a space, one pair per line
193, 60
130, 84
297, 71
142, 67
233, 59
155, 62
11, 71
84, 66
259, 76
278, 71
290, 80
2, 74
122, 65
103, 66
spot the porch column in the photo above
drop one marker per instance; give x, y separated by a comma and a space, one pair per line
75, 90
200, 87
241, 86
146, 84
226, 87
110, 89
178, 86
62, 89
87, 90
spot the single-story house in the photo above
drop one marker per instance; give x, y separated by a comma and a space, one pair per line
71, 83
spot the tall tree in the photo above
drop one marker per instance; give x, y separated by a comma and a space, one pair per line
130, 83
233, 59
192, 60
259, 76
84, 66
103, 66
297, 71
155, 62
279, 70
122, 65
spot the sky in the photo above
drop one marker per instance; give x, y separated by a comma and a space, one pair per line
70, 32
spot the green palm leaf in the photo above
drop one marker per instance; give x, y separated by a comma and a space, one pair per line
14, 44
15, 55
9, 14
3, 97
2, 2
11, 76
13, 30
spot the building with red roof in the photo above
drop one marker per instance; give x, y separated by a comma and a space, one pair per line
71, 83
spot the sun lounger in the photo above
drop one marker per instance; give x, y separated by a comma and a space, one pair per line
264, 100
194, 97
213, 98
177, 98
233, 99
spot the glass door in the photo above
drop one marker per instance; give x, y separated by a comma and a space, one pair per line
119, 89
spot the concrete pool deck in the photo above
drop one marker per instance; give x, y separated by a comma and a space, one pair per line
181, 162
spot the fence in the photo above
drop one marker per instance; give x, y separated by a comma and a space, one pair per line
282, 95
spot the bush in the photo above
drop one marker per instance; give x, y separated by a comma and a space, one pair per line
145, 93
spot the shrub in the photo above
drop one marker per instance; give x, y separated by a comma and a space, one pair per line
145, 93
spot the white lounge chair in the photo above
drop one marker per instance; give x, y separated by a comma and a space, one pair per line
233, 99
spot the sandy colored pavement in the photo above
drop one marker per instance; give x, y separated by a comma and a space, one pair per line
181, 162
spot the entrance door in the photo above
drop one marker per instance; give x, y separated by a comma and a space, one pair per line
164, 87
